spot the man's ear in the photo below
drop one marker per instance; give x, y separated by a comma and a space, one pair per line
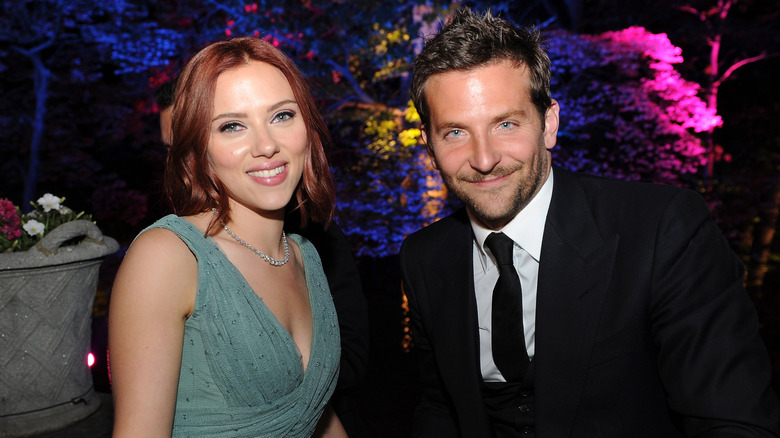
551, 123
424, 137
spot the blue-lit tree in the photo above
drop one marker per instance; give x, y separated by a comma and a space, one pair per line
626, 111
62, 64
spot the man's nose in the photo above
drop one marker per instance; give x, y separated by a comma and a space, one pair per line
484, 154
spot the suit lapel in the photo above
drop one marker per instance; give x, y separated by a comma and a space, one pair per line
574, 273
454, 298
455, 314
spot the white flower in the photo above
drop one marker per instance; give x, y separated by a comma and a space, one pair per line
65, 210
34, 227
49, 202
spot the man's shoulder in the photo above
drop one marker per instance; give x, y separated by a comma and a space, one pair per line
439, 232
614, 190
615, 203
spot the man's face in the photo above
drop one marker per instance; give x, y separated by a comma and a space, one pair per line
165, 125
487, 141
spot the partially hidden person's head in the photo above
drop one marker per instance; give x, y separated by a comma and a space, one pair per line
468, 41
191, 180
164, 98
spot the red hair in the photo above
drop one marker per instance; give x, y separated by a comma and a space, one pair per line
191, 185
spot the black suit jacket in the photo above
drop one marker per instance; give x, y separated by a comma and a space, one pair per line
643, 328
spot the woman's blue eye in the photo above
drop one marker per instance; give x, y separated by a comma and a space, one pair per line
231, 127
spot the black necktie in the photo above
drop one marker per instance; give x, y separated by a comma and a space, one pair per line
508, 339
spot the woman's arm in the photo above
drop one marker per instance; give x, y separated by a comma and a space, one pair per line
154, 293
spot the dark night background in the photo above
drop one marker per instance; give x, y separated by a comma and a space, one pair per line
78, 118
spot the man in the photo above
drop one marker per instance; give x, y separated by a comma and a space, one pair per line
164, 98
345, 287
616, 309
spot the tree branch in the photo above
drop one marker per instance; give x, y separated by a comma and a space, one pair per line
726, 74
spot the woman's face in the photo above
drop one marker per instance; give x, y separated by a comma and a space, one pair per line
257, 140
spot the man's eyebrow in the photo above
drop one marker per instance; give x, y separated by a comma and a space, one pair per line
448, 125
519, 114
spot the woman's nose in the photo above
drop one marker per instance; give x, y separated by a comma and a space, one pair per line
263, 144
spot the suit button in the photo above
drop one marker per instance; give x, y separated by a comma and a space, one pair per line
527, 430
525, 409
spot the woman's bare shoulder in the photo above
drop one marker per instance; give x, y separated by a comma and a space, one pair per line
159, 266
160, 245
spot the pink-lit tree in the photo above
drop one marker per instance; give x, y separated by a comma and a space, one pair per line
719, 68
627, 113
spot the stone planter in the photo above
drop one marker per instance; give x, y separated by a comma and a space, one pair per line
46, 298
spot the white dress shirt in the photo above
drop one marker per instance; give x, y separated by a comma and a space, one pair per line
526, 230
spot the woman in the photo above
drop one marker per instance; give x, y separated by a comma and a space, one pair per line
221, 324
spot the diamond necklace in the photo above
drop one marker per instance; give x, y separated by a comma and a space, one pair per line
265, 256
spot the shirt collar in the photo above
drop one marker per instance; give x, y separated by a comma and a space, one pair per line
526, 228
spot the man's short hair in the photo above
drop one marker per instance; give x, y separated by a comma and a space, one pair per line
468, 41
164, 95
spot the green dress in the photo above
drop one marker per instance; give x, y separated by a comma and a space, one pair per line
241, 372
